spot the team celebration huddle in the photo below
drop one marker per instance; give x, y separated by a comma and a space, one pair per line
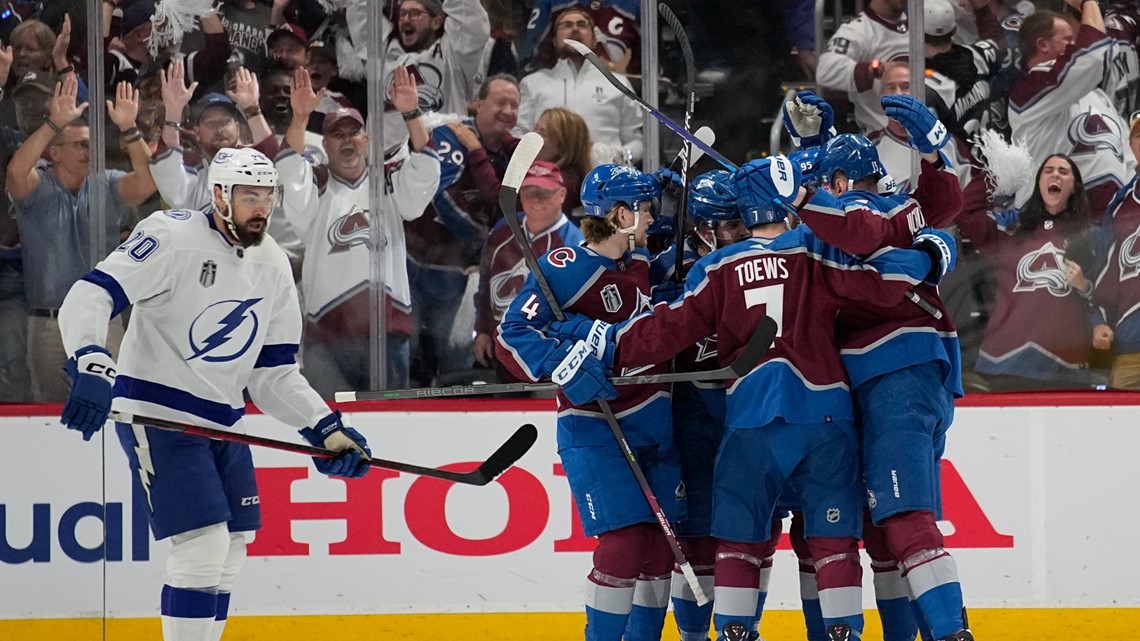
744, 345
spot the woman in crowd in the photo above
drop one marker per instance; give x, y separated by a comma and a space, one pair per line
1038, 336
568, 146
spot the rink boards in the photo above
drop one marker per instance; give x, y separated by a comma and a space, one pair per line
1039, 512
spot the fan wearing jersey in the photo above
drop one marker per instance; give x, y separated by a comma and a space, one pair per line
803, 436
608, 279
329, 207
215, 313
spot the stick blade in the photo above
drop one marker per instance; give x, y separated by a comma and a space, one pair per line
578, 46
508, 453
756, 347
523, 157
706, 135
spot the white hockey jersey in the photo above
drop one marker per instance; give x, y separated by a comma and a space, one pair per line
332, 217
844, 65
614, 120
210, 319
1059, 107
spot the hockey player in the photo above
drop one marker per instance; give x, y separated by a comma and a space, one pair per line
607, 278
904, 366
803, 436
329, 208
215, 313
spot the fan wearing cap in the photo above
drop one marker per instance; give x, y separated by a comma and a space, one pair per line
55, 214
218, 121
441, 42
329, 209
122, 63
502, 269
288, 46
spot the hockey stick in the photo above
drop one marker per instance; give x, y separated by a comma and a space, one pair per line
745, 362
524, 155
687, 148
665, 120
509, 452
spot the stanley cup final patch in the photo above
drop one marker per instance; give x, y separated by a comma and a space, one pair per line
611, 298
209, 271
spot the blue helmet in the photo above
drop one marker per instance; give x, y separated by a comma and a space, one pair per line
852, 154
808, 162
712, 196
662, 226
759, 212
609, 185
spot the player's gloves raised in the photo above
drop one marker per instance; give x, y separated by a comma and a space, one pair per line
767, 180
942, 250
92, 375
924, 131
332, 434
579, 373
599, 335
809, 120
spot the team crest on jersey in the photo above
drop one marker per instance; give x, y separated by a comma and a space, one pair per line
209, 271
1091, 132
1043, 269
611, 298
349, 230
561, 257
599, 95
1129, 258
224, 331
706, 349
429, 83
178, 214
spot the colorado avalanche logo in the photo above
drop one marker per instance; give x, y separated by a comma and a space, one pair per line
506, 285
561, 257
1090, 132
1043, 268
429, 85
224, 331
349, 230
706, 349
1129, 258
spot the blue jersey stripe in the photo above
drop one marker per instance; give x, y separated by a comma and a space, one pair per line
106, 281
277, 355
176, 399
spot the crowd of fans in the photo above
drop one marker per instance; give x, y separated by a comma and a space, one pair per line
1041, 298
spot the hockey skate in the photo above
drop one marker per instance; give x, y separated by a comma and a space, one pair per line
961, 635
839, 632
737, 631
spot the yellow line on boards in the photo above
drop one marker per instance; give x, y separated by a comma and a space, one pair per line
1004, 624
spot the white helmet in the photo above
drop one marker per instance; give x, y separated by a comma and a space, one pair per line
244, 166
939, 18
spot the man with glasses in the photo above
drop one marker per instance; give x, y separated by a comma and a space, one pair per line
442, 43
613, 119
56, 218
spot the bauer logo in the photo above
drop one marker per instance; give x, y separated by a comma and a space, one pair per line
782, 177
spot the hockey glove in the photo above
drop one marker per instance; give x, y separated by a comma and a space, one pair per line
667, 178
92, 375
767, 180
332, 434
599, 335
809, 120
580, 374
942, 250
924, 131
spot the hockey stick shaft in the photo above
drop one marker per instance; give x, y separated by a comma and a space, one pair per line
746, 360
688, 149
517, 445
508, 202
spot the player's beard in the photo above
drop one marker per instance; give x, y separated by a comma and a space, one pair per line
249, 238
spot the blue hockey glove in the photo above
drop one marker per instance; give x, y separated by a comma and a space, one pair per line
92, 375
924, 131
666, 178
809, 120
580, 374
332, 434
942, 250
599, 335
767, 180
668, 291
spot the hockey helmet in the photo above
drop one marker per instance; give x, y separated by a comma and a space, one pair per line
607, 186
712, 196
245, 166
852, 154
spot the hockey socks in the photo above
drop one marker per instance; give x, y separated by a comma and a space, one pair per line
930, 572
188, 615
609, 601
220, 616
650, 602
692, 620
893, 601
838, 576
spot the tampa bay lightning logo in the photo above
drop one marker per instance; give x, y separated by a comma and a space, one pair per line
224, 331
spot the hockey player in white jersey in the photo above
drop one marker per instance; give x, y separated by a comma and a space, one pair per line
329, 208
215, 313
